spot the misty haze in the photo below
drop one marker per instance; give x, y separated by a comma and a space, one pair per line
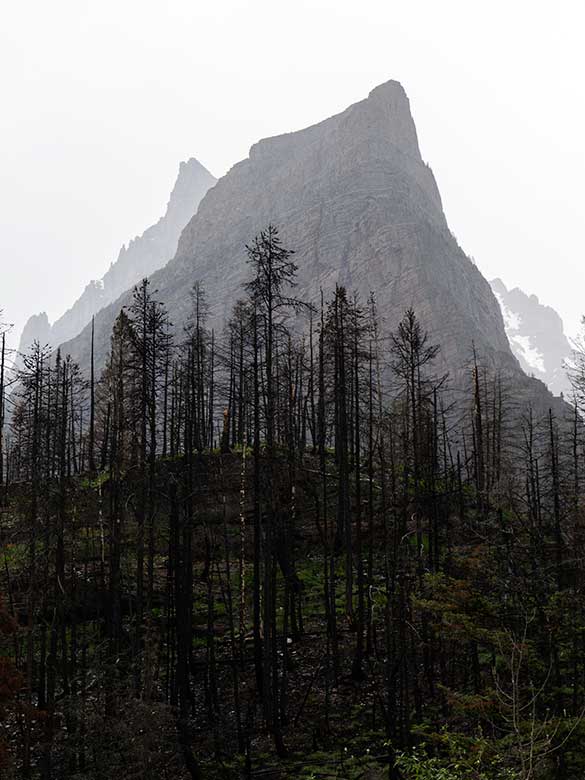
292, 392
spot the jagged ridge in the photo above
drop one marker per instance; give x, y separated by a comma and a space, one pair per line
144, 255
536, 336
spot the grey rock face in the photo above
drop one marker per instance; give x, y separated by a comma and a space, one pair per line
352, 196
37, 328
144, 254
536, 336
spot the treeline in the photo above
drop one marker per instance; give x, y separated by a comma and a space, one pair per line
292, 546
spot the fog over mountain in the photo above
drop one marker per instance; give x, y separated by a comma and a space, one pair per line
143, 255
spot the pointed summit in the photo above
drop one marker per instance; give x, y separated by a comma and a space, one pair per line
389, 90
193, 181
354, 199
37, 328
383, 116
143, 255
389, 102
157, 245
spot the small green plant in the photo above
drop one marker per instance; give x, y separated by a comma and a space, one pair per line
457, 758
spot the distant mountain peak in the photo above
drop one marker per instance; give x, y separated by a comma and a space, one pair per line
190, 178
139, 258
536, 335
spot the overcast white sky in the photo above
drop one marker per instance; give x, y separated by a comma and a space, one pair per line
99, 101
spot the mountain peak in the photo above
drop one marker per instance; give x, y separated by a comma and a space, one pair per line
536, 335
354, 199
188, 169
143, 255
389, 109
193, 181
390, 91
37, 328
382, 120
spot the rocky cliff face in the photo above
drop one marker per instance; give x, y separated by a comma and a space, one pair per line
144, 254
536, 336
352, 196
37, 328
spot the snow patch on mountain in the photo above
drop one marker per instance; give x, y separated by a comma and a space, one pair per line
533, 357
536, 336
511, 319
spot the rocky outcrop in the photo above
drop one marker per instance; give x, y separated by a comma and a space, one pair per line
354, 199
143, 255
536, 336
37, 328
